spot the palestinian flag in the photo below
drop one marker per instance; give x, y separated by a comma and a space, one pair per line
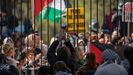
98, 52
97, 49
50, 9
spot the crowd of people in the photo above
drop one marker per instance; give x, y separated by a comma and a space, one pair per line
67, 54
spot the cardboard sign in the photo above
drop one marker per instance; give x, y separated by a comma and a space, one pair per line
75, 19
127, 12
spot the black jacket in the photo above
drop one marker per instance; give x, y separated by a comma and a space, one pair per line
6, 69
52, 58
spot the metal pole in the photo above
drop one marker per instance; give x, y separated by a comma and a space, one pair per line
33, 7
128, 29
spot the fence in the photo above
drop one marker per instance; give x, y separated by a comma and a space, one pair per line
46, 18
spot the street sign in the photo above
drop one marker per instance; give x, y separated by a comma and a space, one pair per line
127, 12
75, 19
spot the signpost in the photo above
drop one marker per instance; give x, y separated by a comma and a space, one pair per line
127, 14
75, 19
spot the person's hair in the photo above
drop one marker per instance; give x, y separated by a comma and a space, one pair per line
60, 66
91, 60
63, 53
30, 37
44, 70
7, 48
93, 37
102, 36
80, 72
114, 9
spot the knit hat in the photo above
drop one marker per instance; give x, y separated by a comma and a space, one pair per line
109, 55
111, 68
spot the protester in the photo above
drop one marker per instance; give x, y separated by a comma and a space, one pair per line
60, 68
80, 57
64, 52
6, 68
9, 22
9, 52
128, 53
34, 48
90, 67
110, 66
45, 70
68, 53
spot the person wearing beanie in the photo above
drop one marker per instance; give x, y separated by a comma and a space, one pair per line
110, 66
90, 66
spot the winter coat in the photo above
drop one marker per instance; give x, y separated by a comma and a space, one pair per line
8, 69
52, 57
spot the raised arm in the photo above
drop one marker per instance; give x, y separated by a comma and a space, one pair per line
52, 58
